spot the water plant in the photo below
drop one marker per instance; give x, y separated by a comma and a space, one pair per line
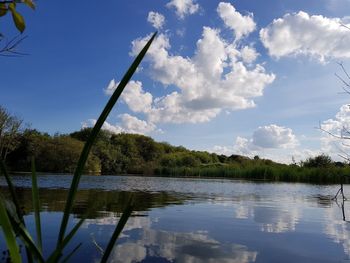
11, 216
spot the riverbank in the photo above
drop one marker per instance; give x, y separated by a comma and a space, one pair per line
331, 175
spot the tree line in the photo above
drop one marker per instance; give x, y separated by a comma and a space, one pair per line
138, 154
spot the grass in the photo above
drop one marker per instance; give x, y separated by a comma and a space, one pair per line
320, 175
11, 217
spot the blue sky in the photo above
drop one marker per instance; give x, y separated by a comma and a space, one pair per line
248, 76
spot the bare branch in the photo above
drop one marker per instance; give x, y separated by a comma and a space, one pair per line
10, 47
329, 133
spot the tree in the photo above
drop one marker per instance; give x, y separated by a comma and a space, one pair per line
321, 161
9, 127
344, 133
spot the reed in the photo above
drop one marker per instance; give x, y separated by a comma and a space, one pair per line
283, 173
11, 217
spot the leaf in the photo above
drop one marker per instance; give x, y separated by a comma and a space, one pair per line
36, 205
17, 18
23, 234
12, 189
119, 228
58, 252
18, 216
9, 234
3, 10
67, 258
87, 147
29, 3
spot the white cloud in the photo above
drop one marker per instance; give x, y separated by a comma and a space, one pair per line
279, 219
133, 95
157, 20
136, 98
273, 142
225, 150
112, 85
335, 228
183, 7
129, 124
334, 140
241, 25
249, 54
273, 136
215, 78
313, 35
266, 138
106, 126
132, 124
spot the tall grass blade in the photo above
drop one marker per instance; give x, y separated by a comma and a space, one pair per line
9, 234
58, 252
23, 234
36, 205
12, 190
87, 147
14, 198
67, 258
119, 228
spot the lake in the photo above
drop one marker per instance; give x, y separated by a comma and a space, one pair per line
194, 219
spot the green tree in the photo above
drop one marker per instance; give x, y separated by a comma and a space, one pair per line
10, 126
318, 161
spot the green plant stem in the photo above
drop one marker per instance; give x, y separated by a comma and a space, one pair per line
87, 147
119, 228
36, 205
9, 234
14, 197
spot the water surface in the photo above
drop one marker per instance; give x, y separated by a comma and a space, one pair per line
195, 220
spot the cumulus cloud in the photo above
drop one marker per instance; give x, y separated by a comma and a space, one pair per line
183, 7
157, 20
129, 124
266, 137
112, 85
217, 77
273, 136
313, 35
133, 95
273, 142
337, 134
222, 75
241, 25
249, 54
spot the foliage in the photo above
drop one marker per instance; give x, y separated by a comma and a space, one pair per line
318, 161
11, 7
138, 154
9, 132
9, 47
52, 153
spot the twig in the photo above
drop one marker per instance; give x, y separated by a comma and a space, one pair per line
9, 49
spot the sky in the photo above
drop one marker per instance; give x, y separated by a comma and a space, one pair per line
246, 77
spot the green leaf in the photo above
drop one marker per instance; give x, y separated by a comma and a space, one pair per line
23, 234
119, 228
9, 234
3, 10
17, 18
12, 190
87, 147
58, 252
29, 3
67, 258
18, 216
36, 205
